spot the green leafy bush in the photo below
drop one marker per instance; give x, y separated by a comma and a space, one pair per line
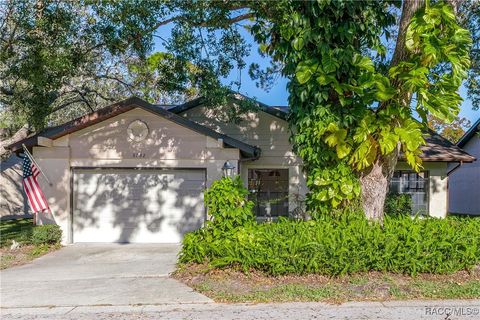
341, 245
398, 204
25, 236
227, 205
46, 234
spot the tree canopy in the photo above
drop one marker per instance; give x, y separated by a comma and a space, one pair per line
363, 75
452, 131
75, 56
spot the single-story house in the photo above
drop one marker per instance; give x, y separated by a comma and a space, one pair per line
464, 178
136, 172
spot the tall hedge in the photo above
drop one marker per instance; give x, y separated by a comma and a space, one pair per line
335, 246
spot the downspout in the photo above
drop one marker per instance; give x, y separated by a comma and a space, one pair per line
455, 168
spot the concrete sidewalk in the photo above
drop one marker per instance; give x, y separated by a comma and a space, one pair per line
398, 310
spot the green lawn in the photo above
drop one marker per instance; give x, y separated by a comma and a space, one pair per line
234, 286
17, 230
20, 230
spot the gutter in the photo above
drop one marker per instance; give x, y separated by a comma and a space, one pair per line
256, 155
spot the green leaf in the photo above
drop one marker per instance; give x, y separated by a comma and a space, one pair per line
335, 202
384, 90
346, 188
343, 150
329, 64
365, 63
305, 70
325, 79
388, 141
336, 137
298, 43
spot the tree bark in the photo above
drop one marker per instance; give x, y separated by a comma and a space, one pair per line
374, 189
375, 180
375, 183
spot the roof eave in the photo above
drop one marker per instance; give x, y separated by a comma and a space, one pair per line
200, 101
465, 158
469, 134
124, 106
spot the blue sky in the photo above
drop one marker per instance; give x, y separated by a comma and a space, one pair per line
278, 94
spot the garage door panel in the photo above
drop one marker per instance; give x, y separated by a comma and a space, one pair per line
137, 206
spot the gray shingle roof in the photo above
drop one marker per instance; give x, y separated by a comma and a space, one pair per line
440, 149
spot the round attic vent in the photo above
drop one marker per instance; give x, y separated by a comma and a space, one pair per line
137, 131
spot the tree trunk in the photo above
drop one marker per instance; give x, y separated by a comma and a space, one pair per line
375, 183
409, 8
375, 180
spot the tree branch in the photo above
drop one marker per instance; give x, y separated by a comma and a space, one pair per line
409, 8
224, 24
66, 104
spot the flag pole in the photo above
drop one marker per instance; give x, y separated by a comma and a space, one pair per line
36, 164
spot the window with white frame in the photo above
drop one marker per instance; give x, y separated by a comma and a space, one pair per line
269, 191
416, 185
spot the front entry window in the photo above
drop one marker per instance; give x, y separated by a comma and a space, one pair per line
416, 185
269, 191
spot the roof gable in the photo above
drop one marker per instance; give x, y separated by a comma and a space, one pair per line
469, 134
122, 107
279, 112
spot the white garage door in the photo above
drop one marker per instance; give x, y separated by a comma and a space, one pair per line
142, 206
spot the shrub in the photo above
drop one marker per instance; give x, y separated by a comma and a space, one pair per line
341, 245
46, 234
227, 205
25, 236
398, 204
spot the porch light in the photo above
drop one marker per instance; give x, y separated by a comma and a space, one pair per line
228, 169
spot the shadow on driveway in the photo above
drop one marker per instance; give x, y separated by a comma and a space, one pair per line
96, 275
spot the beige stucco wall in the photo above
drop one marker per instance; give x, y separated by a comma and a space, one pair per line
105, 144
266, 131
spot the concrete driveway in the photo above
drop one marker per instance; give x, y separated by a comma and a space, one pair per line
98, 275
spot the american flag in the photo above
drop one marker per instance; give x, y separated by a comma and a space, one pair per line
35, 196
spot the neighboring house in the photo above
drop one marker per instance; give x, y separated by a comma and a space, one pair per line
13, 203
136, 172
464, 178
